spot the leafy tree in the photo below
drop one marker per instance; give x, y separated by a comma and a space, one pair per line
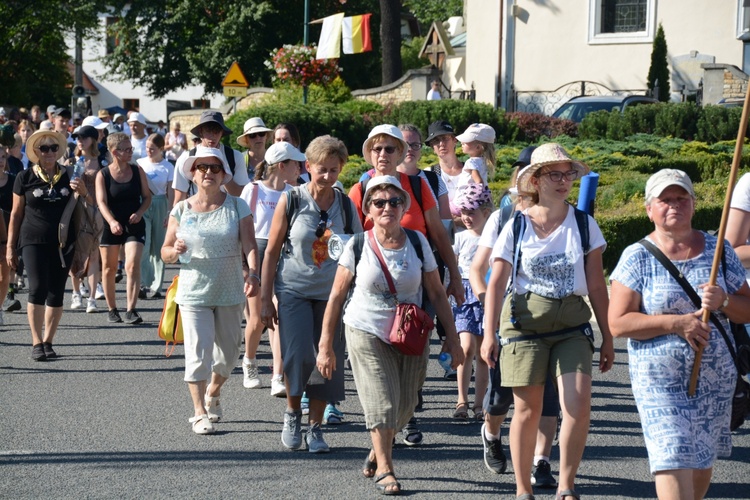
33, 51
659, 70
429, 11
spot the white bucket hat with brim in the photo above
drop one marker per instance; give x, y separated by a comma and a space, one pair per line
254, 125
203, 152
137, 117
39, 136
546, 154
386, 129
389, 180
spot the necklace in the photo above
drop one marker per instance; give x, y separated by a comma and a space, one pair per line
553, 226
684, 263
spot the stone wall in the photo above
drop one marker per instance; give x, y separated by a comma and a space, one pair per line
723, 81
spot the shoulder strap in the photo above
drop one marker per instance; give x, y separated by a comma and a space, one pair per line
432, 179
192, 152
383, 266
254, 198
689, 290
229, 155
505, 214
346, 207
582, 219
359, 244
416, 187
414, 239
292, 205
436, 168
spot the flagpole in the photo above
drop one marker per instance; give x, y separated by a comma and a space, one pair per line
305, 40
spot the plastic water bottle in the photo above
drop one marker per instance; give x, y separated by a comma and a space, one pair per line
78, 169
445, 360
188, 232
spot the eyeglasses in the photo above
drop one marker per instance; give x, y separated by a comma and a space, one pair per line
52, 147
393, 202
256, 134
125, 150
556, 176
322, 225
415, 146
388, 150
205, 167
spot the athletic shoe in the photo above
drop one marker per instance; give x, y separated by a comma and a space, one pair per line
494, 457
541, 475
99, 292
20, 284
142, 292
84, 290
154, 294
37, 353
118, 275
132, 317
250, 380
113, 316
450, 375
91, 306
291, 434
315, 441
278, 389
410, 434
75, 301
332, 415
11, 305
48, 351
305, 404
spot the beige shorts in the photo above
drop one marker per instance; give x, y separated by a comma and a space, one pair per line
527, 362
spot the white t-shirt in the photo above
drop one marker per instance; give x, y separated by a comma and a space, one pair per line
451, 183
465, 246
264, 206
491, 230
181, 183
477, 164
551, 267
139, 147
371, 307
433, 95
159, 175
741, 201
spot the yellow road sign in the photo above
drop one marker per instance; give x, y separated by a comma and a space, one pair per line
234, 77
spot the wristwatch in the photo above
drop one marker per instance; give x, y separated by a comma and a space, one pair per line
726, 301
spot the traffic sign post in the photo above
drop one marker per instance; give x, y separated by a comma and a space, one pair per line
235, 84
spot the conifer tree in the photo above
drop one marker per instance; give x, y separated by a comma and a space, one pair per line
658, 73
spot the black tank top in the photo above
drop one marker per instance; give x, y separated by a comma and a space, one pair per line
123, 198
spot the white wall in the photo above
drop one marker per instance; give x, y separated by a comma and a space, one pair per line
112, 93
483, 48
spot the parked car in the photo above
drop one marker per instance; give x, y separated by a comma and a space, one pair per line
578, 107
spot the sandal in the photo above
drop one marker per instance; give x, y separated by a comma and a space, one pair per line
462, 411
202, 424
478, 413
213, 408
370, 467
567, 493
389, 488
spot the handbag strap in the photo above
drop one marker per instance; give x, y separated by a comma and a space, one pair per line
379, 255
689, 290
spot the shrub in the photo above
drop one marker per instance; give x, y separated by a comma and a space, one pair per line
677, 120
534, 126
718, 123
285, 93
594, 125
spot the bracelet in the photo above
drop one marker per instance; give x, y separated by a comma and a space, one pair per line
254, 276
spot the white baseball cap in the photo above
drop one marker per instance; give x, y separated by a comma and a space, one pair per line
282, 151
94, 121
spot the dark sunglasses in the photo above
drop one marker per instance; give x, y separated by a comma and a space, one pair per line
415, 146
46, 149
321, 229
388, 149
205, 167
393, 202
256, 134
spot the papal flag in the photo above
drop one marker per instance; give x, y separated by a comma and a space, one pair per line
356, 34
329, 46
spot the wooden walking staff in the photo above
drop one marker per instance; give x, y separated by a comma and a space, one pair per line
722, 229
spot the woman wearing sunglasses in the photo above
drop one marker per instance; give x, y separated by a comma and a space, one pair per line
40, 195
123, 197
387, 380
302, 284
212, 288
544, 321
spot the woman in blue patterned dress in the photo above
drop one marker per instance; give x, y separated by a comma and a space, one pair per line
212, 288
684, 435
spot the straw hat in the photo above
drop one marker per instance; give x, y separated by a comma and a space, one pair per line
254, 125
41, 135
546, 154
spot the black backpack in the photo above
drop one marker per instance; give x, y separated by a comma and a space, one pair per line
293, 205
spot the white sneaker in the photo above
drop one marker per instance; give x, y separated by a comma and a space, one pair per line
75, 301
251, 380
277, 386
84, 290
99, 291
91, 306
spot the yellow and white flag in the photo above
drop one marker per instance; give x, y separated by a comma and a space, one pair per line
329, 45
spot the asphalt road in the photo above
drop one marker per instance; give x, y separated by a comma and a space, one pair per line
108, 419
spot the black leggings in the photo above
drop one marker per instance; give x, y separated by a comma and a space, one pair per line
47, 276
